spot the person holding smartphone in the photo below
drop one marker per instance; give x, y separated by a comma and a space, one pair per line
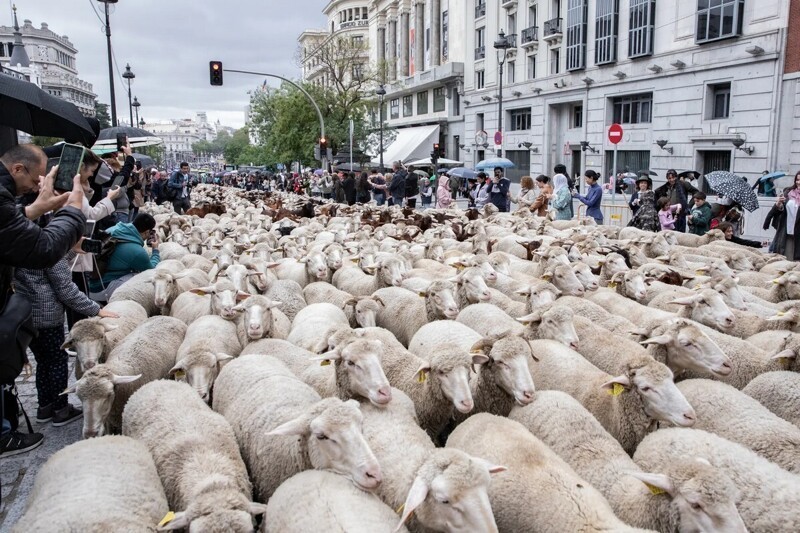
784, 215
498, 190
120, 177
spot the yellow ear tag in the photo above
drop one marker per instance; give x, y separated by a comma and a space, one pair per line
700, 272
784, 361
400, 509
780, 313
180, 374
612, 285
169, 517
324, 362
421, 377
654, 489
616, 390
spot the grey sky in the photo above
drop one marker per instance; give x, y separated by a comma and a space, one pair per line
169, 43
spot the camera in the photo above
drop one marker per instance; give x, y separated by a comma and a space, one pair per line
92, 246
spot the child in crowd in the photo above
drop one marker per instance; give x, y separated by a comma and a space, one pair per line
426, 192
666, 213
699, 218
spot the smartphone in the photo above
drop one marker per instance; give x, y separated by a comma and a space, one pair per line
51, 162
68, 166
122, 140
92, 246
88, 229
118, 181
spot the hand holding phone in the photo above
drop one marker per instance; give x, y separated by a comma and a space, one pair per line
91, 246
68, 166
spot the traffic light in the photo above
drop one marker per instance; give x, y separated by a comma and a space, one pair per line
215, 71
323, 145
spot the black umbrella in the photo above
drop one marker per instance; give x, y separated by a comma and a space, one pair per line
647, 172
145, 160
28, 108
733, 187
347, 168
136, 137
689, 174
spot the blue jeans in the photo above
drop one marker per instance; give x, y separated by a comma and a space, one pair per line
122, 217
380, 199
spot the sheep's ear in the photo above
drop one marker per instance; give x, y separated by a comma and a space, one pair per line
351, 301
241, 295
417, 494
686, 300
256, 509
272, 265
238, 308
616, 385
119, 380
490, 467
174, 521
531, 318
328, 357
657, 483
68, 344
422, 373
70, 389
523, 292
483, 346
479, 359
617, 278
660, 339
202, 291
298, 426
378, 300
272, 304
785, 354
108, 327
223, 358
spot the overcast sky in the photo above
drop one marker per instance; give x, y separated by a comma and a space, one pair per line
169, 43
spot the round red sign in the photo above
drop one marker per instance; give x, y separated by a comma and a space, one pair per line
615, 134
498, 137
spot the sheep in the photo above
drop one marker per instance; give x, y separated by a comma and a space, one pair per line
551, 322
389, 273
779, 392
780, 346
769, 495
786, 287
485, 318
585, 275
471, 288
210, 342
694, 241
261, 318
197, 261
312, 323
729, 413
331, 504
77, 489
140, 289
445, 489
590, 310
167, 286
571, 431
440, 332
619, 305
404, 312
564, 501
217, 299
312, 267
643, 393
612, 264
322, 292
504, 376
92, 339
146, 354
288, 292
203, 474
682, 345
283, 427
241, 276
705, 306
565, 280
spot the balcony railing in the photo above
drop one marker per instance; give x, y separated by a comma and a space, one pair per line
530, 35
480, 52
508, 3
552, 28
480, 10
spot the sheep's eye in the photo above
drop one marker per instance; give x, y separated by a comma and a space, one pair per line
446, 502
351, 363
646, 389
322, 436
696, 506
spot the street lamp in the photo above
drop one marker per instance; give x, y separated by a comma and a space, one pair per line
129, 75
381, 92
110, 63
142, 123
502, 44
136, 105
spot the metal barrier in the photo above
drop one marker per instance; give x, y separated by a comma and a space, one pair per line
613, 214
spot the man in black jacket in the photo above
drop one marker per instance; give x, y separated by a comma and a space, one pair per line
26, 244
397, 188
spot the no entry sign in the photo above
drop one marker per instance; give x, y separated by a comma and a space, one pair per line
615, 134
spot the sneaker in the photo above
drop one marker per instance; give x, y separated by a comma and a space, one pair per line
15, 442
65, 415
44, 414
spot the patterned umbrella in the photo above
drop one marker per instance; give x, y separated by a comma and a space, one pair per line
733, 187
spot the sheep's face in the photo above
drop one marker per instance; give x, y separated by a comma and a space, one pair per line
212, 511
257, 317
662, 400
658, 245
238, 276
450, 493
366, 310
316, 266
335, 441
87, 339
633, 284
435, 252
488, 271
557, 323
225, 258
443, 298
472, 283
540, 295
500, 263
709, 308
449, 367
164, 288
706, 501
691, 349
362, 362
334, 257
585, 276
567, 282
223, 299
392, 271
791, 284
95, 390
731, 295
508, 362
195, 246
614, 263
259, 276
741, 262
200, 369
718, 269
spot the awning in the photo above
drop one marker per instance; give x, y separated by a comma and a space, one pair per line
410, 144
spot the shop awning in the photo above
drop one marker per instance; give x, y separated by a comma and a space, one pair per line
410, 144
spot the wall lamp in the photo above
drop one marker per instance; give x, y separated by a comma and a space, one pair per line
516, 93
586, 146
663, 145
678, 64
738, 142
655, 69
620, 75
587, 80
486, 98
754, 50
560, 84
529, 146
537, 90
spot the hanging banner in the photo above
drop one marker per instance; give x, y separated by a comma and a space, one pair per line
411, 48
445, 36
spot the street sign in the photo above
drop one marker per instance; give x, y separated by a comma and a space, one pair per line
498, 137
615, 134
481, 137
567, 148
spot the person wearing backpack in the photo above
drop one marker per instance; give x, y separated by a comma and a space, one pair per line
126, 254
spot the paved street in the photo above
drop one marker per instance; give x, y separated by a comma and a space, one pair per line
18, 472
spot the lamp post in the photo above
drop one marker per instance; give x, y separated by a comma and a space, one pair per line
136, 106
129, 75
502, 44
110, 62
142, 123
381, 92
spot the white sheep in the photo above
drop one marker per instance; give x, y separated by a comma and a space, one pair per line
312, 267
779, 392
167, 286
626, 404
323, 292
577, 437
590, 310
442, 332
217, 299
682, 345
705, 306
283, 427
770, 496
104, 484
145, 355
786, 287
550, 322
389, 272
731, 414
404, 312
780, 346
260, 318
564, 501
140, 289
92, 339
311, 325
196, 456
332, 504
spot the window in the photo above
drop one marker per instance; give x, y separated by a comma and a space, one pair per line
480, 81
606, 26
512, 24
519, 119
720, 103
357, 40
358, 71
633, 109
532, 67
422, 103
642, 23
438, 99
532, 15
577, 116
394, 107
479, 122
512, 69
480, 8
577, 13
719, 19
555, 61
408, 105
364, 13
627, 161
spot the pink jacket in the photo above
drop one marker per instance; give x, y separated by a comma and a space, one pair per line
443, 196
667, 218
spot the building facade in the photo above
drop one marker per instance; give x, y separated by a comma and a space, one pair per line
180, 134
49, 61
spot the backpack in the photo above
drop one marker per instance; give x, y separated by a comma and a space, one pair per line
101, 260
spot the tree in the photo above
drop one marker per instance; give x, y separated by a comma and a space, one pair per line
101, 113
238, 143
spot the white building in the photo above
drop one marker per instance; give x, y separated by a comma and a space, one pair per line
48, 60
180, 134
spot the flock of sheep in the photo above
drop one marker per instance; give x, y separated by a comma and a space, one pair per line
383, 370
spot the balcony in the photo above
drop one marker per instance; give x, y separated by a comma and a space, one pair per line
530, 37
480, 52
552, 31
508, 3
480, 10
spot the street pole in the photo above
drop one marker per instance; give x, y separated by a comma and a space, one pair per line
381, 134
110, 69
500, 108
130, 102
351, 144
614, 186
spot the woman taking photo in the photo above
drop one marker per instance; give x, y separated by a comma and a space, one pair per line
645, 214
526, 195
784, 212
561, 199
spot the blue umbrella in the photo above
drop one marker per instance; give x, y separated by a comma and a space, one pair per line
773, 176
488, 164
463, 173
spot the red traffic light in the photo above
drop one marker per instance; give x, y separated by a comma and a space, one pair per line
215, 71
